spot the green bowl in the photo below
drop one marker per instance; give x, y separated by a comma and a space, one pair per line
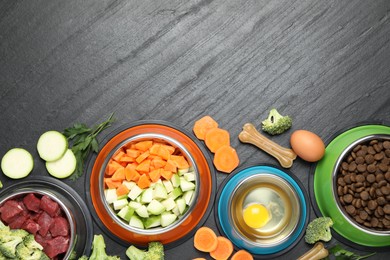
323, 187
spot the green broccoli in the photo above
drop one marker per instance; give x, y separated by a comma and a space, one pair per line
20, 233
25, 253
30, 243
319, 229
8, 248
155, 252
276, 124
99, 250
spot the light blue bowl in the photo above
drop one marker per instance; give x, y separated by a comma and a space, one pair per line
280, 242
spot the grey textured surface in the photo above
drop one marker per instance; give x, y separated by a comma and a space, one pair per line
325, 63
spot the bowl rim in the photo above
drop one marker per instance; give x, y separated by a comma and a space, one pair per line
270, 252
142, 240
357, 129
151, 231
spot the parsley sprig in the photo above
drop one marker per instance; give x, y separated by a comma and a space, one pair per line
84, 141
343, 254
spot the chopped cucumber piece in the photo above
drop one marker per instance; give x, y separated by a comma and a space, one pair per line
136, 222
155, 207
160, 192
168, 185
182, 171
135, 192
111, 195
187, 196
169, 204
142, 212
52, 145
186, 185
176, 193
126, 213
167, 219
17, 163
119, 204
63, 167
176, 211
129, 184
152, 221
147, 195
189, 176
134, 204
181, 205
175, 179
124, 196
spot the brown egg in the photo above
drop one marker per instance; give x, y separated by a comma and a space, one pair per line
307, 145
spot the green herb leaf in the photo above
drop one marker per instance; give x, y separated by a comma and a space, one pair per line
84, 141
342, 254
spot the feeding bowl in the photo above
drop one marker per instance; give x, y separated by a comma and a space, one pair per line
197, 209
71, 204
283, 197
329, 197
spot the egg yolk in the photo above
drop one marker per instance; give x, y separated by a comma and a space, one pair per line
256, 215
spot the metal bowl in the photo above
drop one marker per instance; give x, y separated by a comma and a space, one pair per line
162, 139
285, 199
335, 172
75, 211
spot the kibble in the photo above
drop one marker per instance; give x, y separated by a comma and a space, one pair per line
363, 184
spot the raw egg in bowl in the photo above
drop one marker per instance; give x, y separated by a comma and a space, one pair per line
263, 210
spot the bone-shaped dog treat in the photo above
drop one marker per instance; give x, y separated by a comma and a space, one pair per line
284, 155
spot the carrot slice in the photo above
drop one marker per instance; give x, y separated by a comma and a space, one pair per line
155, 175
170, 166
122, 190
143, 181
112, 167
143, 145
166, 174
144, 166
203, 125
226, 159
118, 155
158, 163
205, 239
111, 184
142, 157
163, 152
126, 158
133, 153
170, 148
224, 249
119, 175
215, 138
180, 161
242, 255
154, 149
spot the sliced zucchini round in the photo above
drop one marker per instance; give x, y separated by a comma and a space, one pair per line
17, 163
52, 145
63, 167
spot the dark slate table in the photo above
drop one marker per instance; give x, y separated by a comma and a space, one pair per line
325, 63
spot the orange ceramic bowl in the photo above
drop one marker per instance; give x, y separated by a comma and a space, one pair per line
198, 212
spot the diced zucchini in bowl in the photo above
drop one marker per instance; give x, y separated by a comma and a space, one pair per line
126, 213
155, 207
134, 192
119, 204
111, 195
167, 218
142, 212
152, 221
136, 222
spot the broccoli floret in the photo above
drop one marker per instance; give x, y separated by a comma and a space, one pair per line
155, 252
19, 232
30, 243
99, 249
25, 253
319, 229
8, 249
276, 124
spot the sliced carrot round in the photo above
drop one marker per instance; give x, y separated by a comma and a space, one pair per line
215, 138
203, 125
226, 159
224, 249
205, 239
242, 255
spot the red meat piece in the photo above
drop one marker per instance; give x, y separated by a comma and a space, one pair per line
18, 222
44, 222
42, 240
10, 210
60, 227
56, 246
32, 202
50, 206
31, 226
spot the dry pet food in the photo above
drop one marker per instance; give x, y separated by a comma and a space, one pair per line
363, 184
